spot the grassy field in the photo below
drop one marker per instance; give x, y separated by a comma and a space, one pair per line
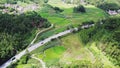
67, 18
31, 64
75, 50
64, 50
52, 55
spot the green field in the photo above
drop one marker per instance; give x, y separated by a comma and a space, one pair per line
66, 18
65, 51
68, 49
107, 1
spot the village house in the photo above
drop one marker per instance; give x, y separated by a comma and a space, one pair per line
118, 11
112, 12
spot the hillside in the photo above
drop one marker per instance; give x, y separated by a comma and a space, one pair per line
95, 2
103, 4
17, 31
94, 43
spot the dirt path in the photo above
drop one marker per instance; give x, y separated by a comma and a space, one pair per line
40, 33
43, 64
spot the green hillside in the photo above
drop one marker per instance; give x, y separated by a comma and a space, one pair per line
94, 47
103, 1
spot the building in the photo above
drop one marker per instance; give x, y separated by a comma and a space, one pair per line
112, 12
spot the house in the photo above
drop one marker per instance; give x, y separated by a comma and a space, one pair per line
7, 5
118, 11
112, 12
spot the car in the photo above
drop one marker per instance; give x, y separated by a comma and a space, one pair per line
41, 42
13, 58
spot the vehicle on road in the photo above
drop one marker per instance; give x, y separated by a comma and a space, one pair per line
42, 42
13, 58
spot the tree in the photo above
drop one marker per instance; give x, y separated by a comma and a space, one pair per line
15, 30
108, 6
45, 1
78, 9
57, 9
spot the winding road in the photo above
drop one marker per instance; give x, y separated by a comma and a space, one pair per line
40, 33
35, 46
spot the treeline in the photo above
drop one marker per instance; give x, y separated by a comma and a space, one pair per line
96, 2
48, 8
16, 30
108, 6
108, 32
25, 1
103, 4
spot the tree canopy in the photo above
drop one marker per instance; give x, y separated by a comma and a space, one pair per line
15, 30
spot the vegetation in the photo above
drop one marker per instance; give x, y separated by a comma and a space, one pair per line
24, 1
109, 6
45, 1
15, 32
97, 2
95, 47
103, 4
108, 33
79, 8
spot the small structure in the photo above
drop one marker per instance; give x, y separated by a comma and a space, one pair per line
82, 2
118, 11
112, 12
19, 8
7, 5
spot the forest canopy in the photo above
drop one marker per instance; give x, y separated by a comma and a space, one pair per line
15, 30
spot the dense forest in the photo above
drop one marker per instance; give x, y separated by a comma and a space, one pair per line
109, 34
16, 30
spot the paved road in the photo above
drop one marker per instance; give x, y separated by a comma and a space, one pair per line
35, 46
39, 33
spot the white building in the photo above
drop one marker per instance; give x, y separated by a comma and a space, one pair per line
118, 11
112, 12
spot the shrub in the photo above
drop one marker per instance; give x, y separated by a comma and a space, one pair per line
88, 22
57, 9
45, 1
79, 8
108, 6
2, 7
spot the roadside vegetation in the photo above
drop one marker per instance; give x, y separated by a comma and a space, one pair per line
17, 31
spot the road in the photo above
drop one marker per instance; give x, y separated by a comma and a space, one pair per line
35, 46
40, 33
